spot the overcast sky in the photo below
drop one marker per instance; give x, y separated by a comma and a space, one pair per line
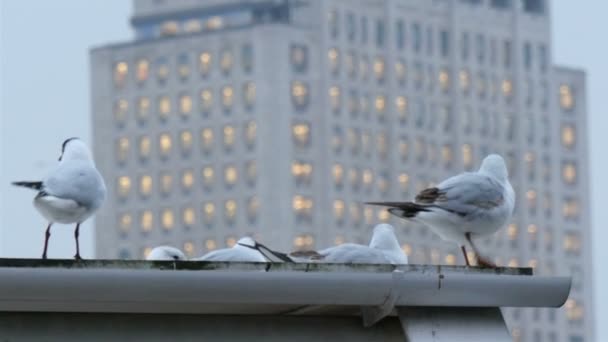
44, 97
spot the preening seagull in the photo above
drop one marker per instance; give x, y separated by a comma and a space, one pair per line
166, 253
472, 204
71, 192
244, 250
383, 249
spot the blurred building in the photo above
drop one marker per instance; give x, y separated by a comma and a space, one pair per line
279, 118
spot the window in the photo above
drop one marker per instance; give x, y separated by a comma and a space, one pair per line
465, 80
570, 209
188, 217
169, 28
226, 60
214, 23
444, 39
145, 186
167, 219
403, 148
382, 145
206, 100
247, 58
162, 69
480, 48
363, 67
251, 172
467, 156
404, 182
507, 88
333, 23
299, 57
333, 56
144, 147
401, 106
143, 69
301, 134
146, 220
367, 177
164, 144
228, 137
507, 53
122, 150
337, 141
569, 172
351, 64
534, 6
253, 207
183, 66
351, 29
250, 134
444, 80
303, 242
123, 186
185, 138
338, 175
446, 155
249, 94
302, 207
230, 210
120, 111
125, 220
227, 97
193, 26
353, 176
164, 107
334, 97
204, 63
208, 177
185, 105
121, 70
501, 4
363, 30
527, 55
400, 34
210, 244
143, 109
187, 180
542, 57
572, 243
206, 140
166, 183
301, 171
339, 210
380, 105
379, 68
568, 135
380, 33
464, 46
566, 99
416, 37
400, 71
353, 103
299, 94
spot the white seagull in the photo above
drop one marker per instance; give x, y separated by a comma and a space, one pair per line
471, 204
244, 250
383, 249
166, 253
72, 192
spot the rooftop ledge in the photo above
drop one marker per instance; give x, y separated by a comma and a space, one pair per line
125, 286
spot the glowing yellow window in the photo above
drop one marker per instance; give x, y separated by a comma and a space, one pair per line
122, 149
400, 71
207, 139
444, 80
144, 147
185, 105
120, 110
368, 177
253, 206
189, 216
209, 212
380, 104
193, 26
185, 138
384, 216
124, 186
252, 171
334, 94
568, 135
338, 173
228, 136
164, 107
164, 143
146, 220
333, 56
339, 209
465, 79
169, 28
569, 173
507, 88
208, 176
404, 181
299, 94
230, 241
206, 100
187, 179
226, 61
401, 105
143, 109
230, 210
120, 74
446, 154
566, 99
227, 97
143, 70
145, 185
379, 68
467, 155
125, 220
381, 144
189, 248
230, 175
214, 23
301, 134
204, 63
167, 219
210, 244
512, 231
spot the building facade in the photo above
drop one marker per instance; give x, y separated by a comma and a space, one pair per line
278, 119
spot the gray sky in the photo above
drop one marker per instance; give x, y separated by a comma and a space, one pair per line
44, 98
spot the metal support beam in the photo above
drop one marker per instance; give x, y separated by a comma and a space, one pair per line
454, 324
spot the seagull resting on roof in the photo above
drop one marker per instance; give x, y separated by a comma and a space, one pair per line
245, 250
471, 204
383, 249
166, 253
72, 192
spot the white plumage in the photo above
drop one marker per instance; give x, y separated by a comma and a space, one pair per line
166, 253
244, 250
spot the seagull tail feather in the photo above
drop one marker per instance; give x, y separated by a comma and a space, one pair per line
31, 185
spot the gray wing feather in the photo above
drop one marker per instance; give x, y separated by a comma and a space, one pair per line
470, 193
80, 182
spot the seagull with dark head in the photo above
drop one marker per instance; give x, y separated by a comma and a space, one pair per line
166, 253
469, 205
71, 192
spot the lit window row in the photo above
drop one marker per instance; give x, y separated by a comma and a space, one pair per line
302, 207
186, 180
143, 68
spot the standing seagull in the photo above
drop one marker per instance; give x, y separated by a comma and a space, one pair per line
464, 206
72, 192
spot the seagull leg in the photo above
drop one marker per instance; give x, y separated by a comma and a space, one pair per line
481, 261
466, 257
47, 235
76, 234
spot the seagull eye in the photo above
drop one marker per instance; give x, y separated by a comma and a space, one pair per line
175, 257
